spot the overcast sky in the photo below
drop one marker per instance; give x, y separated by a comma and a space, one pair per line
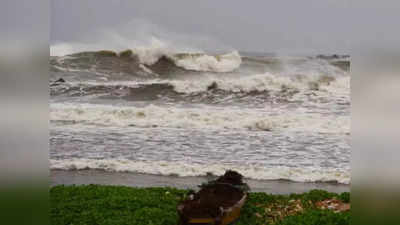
269, 26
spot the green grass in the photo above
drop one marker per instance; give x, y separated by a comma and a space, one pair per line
98, 205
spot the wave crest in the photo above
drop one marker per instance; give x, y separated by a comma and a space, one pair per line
150, 56
265, 82
201, 62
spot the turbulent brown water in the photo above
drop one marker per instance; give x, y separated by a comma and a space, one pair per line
187, 114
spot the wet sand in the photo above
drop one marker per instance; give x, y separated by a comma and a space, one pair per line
81, 177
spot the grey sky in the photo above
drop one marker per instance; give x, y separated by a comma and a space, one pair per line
279, 26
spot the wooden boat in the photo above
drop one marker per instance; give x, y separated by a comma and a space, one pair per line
228, 215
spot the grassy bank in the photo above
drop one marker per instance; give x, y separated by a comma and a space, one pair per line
117, 205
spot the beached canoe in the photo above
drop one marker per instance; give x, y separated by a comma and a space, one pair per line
227, 216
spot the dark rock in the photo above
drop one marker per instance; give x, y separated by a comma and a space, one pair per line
57, 82
61, 80
231, 177
212, 86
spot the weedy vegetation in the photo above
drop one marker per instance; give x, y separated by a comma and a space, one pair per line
120, 205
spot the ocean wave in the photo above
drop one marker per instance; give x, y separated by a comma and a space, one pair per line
199, 118
141, 57
194, 61
184, 169
245, 84
263, 82
126, 90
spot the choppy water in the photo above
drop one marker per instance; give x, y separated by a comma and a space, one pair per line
269, 117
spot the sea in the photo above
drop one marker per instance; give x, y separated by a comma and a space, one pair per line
181, 114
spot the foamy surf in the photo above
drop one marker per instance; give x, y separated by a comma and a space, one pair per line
183, 169
323, 86
199, 118
266, 82
219, 63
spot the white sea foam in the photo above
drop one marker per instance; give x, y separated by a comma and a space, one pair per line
200, 118
145, 69
187, 60
258, 82
338, 86
184, 169
221, 63
265, 82
149, 55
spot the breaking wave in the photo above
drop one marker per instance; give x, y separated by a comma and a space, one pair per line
266, 82
199, 118
161, 59
201, 62
194, 169
148, 58
262, 82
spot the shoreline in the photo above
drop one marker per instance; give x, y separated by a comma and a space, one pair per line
84, 177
